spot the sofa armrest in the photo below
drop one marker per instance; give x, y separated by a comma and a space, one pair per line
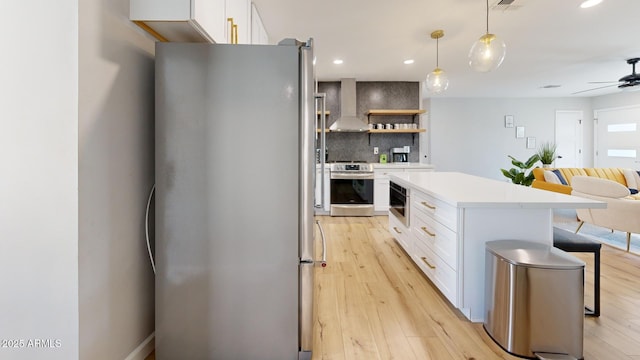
620, 214
559, 188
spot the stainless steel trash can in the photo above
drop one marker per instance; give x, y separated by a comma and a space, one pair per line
534, 299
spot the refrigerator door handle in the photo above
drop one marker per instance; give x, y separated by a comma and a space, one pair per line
146, 229
323, 143
324, 245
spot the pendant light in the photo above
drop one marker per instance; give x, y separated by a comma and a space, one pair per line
488, 52
437, 80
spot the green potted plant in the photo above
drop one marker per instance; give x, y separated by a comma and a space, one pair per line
547, 153
519, 174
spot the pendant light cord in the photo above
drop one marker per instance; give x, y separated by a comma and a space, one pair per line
487, 16
437, 52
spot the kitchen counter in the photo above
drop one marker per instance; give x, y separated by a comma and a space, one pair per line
464, 190
400, 165
451, 217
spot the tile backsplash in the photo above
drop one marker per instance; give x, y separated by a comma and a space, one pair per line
372, 95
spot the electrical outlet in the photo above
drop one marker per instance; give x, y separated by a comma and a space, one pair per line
375, 150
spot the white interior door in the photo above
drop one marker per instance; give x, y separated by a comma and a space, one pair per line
569, 138
617, 137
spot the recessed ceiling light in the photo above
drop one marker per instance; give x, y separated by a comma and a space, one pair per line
338, 61
408, 61
589, 3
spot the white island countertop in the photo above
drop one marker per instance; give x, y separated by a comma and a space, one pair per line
464, 190
402, 165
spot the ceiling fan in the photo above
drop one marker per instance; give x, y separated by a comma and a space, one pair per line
624, 82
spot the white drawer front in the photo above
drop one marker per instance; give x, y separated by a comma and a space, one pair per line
439, 238
400, 233
439, 210
441, 274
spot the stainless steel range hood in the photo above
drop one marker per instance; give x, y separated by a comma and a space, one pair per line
348, 121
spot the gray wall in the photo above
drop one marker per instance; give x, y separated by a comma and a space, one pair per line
620, 99
38, 179
372, 95
116, 173
76, 148
468, 135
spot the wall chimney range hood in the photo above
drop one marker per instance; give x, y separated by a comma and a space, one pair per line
348, 121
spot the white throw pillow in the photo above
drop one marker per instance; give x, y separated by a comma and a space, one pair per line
630, 177
551, 177
636, 175
599, 187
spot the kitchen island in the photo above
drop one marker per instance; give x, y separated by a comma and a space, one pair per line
451, 216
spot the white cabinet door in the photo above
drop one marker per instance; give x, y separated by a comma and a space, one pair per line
381, 188
240, 12
209, 15
258, 32
181, 20
194, 20
381, 194
327, 190
158, 10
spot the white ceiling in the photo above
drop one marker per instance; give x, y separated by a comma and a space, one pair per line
549, 42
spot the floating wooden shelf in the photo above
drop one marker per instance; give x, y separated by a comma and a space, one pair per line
395, 112
385, 131
397, 131
326, 112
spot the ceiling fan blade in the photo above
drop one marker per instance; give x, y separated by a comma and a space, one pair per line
602, 82
598, 88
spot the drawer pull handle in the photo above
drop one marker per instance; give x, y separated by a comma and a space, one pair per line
426, 262
426, 204
428, 232
397, 230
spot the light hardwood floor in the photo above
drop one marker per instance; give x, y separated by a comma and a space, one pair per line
374, 303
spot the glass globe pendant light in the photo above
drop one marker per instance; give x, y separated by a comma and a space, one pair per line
488, 52
437, 80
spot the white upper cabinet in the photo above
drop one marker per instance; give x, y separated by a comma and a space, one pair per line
219, 21
258, 32
207, 13
238, 18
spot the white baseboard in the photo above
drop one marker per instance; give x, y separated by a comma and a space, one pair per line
144, 349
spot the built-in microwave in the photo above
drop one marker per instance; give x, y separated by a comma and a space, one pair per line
399, 202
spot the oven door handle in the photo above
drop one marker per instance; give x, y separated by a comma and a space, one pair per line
352, 176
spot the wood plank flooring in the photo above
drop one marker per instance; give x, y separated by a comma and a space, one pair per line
374, 303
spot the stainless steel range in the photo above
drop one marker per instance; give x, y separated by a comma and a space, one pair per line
351, 189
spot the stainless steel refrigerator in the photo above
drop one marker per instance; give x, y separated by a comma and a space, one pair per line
235, 128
